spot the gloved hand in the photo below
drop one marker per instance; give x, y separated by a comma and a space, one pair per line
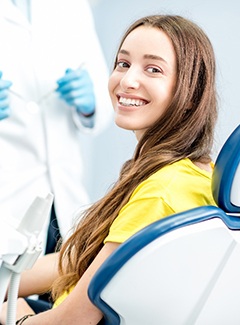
4, 99
76, 88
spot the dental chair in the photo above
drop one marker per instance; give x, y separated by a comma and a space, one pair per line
184, 269
20, 246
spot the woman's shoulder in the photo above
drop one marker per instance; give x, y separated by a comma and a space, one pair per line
180, 168
173, 176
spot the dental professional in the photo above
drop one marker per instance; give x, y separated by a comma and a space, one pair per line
53, 88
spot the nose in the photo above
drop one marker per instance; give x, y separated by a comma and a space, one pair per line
130, 80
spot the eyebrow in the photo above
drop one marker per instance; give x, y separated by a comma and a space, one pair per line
154, 57
146, 56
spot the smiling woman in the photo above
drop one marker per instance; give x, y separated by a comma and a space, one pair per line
163, 88
142, 85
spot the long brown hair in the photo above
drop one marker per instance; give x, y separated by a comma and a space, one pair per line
185, 130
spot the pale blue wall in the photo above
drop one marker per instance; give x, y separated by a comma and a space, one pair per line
220, 19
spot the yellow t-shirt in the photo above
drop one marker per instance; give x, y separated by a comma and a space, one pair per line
175, 188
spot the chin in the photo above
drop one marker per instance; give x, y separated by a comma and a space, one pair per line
123, 124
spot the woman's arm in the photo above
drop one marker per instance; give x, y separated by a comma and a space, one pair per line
40, 277
76, 308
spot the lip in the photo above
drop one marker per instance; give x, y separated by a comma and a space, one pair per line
127, 108
128, 96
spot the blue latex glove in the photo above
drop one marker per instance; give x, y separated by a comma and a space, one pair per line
76, 88
4, 98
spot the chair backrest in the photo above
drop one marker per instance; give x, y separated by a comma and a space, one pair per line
226, 174
182, 269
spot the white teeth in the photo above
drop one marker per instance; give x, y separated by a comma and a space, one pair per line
131, 102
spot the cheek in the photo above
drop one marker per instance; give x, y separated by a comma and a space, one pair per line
165, 95
110, 91
112, 83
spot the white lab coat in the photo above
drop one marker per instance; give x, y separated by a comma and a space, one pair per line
41, 151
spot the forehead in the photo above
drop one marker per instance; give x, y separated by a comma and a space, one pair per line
148, 37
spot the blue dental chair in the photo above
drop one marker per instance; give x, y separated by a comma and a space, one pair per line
184, 269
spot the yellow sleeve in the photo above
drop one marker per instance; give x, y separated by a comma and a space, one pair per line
135, 215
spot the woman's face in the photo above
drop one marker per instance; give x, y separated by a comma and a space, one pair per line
142, 85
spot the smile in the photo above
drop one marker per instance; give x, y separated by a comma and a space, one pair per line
131, 102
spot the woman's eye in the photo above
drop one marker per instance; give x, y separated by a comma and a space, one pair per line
154, 70
122, 64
